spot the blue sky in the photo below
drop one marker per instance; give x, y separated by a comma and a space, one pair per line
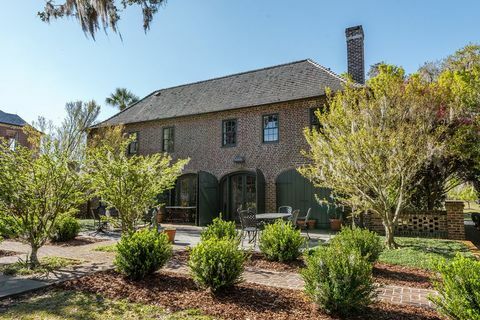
43, 66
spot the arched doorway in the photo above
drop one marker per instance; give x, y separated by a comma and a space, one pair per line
292, 189
244, 189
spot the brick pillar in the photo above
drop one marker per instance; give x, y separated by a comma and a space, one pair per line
455, 224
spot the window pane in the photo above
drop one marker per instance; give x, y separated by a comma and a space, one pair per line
167, 139
133, 146
229, 132
270, 128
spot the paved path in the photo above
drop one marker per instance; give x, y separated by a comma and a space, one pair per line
96, 261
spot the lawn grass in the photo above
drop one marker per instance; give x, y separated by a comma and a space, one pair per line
47, 264
73, 305
106, 248
423, 253
87, 225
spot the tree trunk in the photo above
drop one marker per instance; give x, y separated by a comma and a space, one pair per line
389, 236
33, 259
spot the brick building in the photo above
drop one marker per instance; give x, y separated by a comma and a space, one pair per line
243, 134
11, 128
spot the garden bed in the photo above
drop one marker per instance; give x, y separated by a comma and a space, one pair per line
78, 241
8, 253
178, 292
383, 273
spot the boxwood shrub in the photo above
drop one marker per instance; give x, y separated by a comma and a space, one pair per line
367, 242
220, 229
338, 281
216, 264
142, 253
458, 285
66, 228
280, 241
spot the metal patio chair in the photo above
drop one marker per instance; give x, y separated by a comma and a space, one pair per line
249, 225
303, 225
285, 209
293, 219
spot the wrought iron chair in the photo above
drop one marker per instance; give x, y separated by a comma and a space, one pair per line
249, 225
294, 217
303, 225
285, 209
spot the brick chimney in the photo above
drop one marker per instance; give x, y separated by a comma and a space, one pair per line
355, 57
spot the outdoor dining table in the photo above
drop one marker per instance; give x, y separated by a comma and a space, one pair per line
272, 216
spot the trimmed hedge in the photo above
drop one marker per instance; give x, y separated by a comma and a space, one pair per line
338, 281
368, 243
458, 285
142, 253
280, 241
220, 229
216, 264
66, 228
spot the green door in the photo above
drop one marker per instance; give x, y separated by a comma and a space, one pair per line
298, 192
207, 204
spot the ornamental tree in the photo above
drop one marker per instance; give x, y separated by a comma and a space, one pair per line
372, 142
129, 183
37, 186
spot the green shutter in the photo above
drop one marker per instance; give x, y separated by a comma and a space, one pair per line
298, 192
207, 204
260, 188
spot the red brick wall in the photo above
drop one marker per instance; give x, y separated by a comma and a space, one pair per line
199, 137
7, 131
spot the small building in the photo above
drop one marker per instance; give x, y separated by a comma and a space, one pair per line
11, 128
243, 134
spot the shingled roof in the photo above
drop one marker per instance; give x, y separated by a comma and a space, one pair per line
11, 119
291, 81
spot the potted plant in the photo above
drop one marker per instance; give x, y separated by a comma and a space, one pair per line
170, 233
335, 221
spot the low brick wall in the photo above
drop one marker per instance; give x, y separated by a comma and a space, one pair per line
447, 224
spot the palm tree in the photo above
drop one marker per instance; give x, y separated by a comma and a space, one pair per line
121, 98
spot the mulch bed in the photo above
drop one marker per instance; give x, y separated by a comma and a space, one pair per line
7, 253
246, 301
402, 276
78, 241
383, 273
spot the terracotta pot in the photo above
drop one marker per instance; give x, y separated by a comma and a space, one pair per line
310, 223
171, 234
335, 224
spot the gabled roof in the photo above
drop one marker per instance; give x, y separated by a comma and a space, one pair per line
291, 81
11, 119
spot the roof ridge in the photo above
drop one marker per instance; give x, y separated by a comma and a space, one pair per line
233, 75
328, 70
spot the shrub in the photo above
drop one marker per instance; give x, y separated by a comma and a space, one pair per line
280, 241
66, 228
142, 253
8, 226
338, 281
216, 263
367, 242
458, 285
220, 229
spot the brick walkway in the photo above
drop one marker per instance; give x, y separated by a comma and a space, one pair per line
95, 261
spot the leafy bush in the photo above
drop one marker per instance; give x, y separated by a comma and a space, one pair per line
220, 229
8, 226
280, 241
142, 253
458, 285
367, 242
66, 228
216, 263
338, 281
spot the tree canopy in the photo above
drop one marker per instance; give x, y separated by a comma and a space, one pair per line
121, 98
96, 14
